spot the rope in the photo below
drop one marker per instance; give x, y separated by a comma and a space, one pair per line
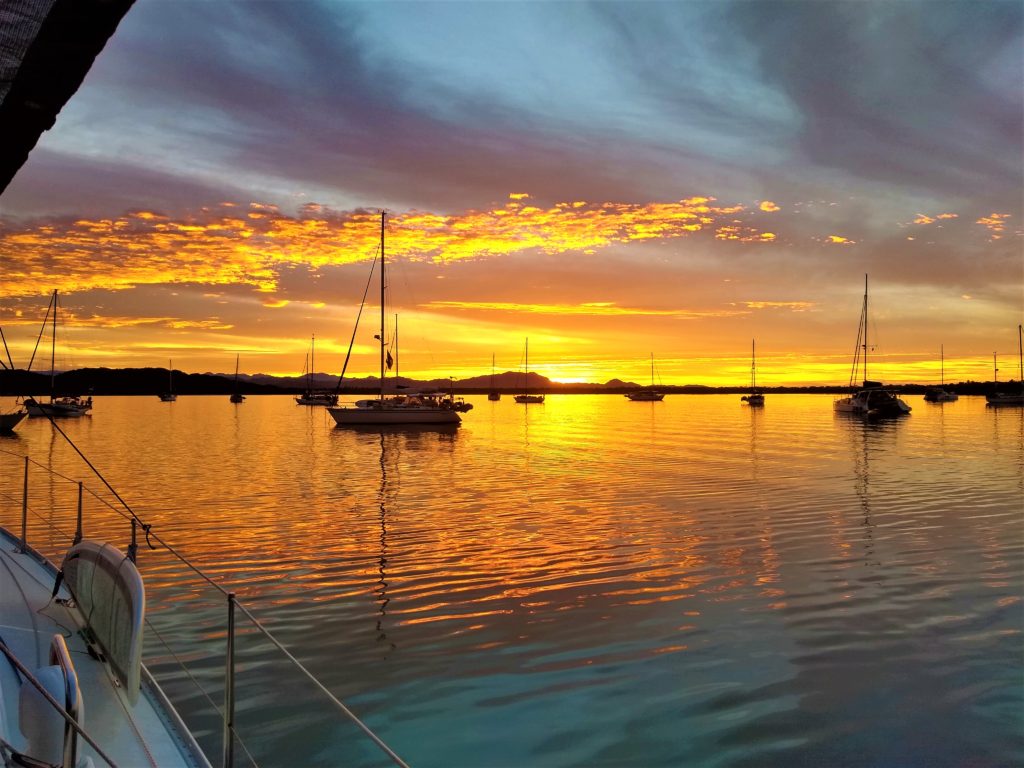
258, 625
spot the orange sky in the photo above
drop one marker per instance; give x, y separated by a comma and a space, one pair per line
597, 287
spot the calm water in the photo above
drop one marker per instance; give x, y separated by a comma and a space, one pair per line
591, 582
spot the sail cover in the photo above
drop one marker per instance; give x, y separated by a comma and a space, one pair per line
46, 49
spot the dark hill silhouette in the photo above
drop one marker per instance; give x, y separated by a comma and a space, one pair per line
152, 381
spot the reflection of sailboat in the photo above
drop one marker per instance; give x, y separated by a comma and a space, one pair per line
311, 396
939, 394
526, 398
382, 588
236, 396
1011, 398
169, 396
493, 394
58, 406
872, 399
647, 395
755, 397
419, 408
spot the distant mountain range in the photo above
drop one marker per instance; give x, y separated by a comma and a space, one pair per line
152, 381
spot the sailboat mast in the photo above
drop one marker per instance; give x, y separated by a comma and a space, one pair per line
942, 365
396, 346
170, 376
382, 214
312, 362
652, 370
753, 365
53, 347
865, 330
1020, 352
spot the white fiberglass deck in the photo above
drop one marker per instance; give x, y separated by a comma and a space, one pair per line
143, 734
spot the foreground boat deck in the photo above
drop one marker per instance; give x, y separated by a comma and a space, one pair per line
142, 734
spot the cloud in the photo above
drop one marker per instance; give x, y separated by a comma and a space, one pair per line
769, 206
596, 309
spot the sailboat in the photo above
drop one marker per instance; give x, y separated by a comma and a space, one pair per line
236, 396
939, 394
1008, 398
872, 399
647, 395
412, 408
310, 396
526, 398
9, 419
57, 406
755, 398
493, 394
169, 396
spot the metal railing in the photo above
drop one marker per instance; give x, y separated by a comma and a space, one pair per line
229, 733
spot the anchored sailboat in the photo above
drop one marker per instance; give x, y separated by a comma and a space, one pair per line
1011, 398
756, 397
236, 396
169, 396
311, 396
412, 408
493, 394
526, 398
647, 395
872, 399
940, 394
57, 406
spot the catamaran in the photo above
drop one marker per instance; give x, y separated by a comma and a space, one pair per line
410, 408
57, 406
872, 399
526, 398
940, 394
650, 395
1011, 398
756, 397
169, 396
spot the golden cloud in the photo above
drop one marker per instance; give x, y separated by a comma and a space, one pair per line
995, 222
769, 206
597, 308
229, 244
796, 306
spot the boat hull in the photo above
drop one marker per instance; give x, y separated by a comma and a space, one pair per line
58, 409
879, 403
346, 417
528, 399
940, 396
646, 396
316, 400
1004, 399
8, 421
755, 400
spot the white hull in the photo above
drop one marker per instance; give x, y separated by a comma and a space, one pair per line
347, 417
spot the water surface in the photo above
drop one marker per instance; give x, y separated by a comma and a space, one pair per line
589, 582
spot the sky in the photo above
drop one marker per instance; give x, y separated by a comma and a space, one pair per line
610, 180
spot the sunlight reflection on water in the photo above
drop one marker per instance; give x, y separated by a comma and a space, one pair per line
590, 581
